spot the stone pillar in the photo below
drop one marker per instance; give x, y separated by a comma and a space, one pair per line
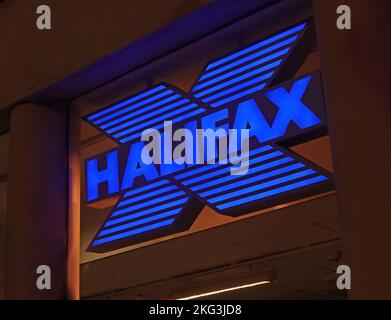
37, 202
356, 69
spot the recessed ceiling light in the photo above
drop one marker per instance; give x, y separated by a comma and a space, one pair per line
225, 290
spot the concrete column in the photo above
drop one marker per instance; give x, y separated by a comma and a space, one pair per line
73, 259
356, 66
37, 202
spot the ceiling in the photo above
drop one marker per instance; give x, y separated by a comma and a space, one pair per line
300, 242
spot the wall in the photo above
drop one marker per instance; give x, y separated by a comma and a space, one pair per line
82, 32
3, 204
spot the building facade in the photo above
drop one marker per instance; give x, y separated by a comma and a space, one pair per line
75, 99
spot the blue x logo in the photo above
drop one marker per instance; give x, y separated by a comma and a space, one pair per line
234, 91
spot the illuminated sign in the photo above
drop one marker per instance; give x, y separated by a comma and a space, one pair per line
241, 91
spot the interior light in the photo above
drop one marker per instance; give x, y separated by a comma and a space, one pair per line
225, 290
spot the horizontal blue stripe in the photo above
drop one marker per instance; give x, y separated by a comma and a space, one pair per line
133, 232
138, 112
248, 58
147, 195
256, 63
237, 177
139, 222
264, 68
238, 87
248, 155
146, 212
247, 180
238, 96
175, 120
147, 187
126, 102
256, 46
147, 203
211, 166
155, 120
229, 82
273, 192
133, 106
147, 116
228, 169
261, 186
138, 134
203, 168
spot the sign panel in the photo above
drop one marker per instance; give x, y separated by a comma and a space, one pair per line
225, 144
